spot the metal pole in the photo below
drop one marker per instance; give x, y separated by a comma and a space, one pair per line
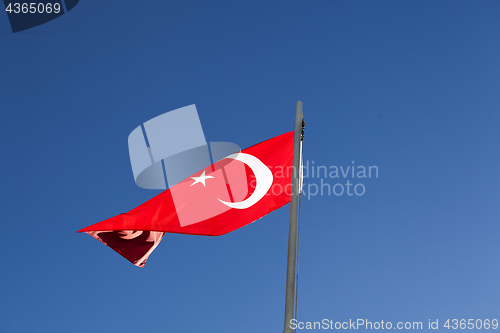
292, 233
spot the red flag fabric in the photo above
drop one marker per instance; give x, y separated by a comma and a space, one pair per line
223, 197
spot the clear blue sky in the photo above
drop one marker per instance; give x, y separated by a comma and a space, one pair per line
411, 87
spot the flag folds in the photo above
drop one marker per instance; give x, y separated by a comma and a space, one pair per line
223, 197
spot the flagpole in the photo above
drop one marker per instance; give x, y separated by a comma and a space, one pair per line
292, 233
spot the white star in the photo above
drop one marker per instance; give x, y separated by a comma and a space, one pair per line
200, 179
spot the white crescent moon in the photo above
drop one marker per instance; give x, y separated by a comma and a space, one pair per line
264, 180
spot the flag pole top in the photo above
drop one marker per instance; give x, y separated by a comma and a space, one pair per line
299, 118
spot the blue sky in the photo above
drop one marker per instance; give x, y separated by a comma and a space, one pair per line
410, 87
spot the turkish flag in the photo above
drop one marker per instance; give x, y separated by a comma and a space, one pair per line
223, 197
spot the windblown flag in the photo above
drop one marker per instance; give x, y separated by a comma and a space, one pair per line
223, 197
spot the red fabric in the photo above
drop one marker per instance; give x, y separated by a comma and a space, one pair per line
159, 213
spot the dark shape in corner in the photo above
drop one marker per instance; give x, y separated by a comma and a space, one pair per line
70, 4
